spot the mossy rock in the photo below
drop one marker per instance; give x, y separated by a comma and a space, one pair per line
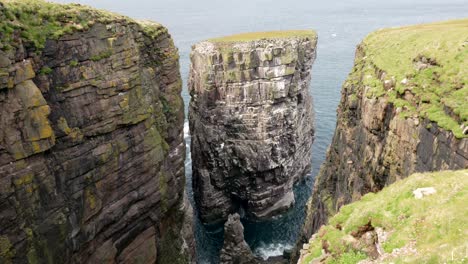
7, 252
435, 226
253, 36
37, 21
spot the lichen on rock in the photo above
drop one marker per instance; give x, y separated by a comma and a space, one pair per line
251, 121
87, 150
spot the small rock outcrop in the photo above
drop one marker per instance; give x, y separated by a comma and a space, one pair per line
395, 116
235, 249
251, 121
91, 139
419, 193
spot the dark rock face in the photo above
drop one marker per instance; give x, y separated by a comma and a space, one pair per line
92, 151
251, 122
235, 249
373, 146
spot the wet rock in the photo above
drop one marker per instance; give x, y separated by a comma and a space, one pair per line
235, 249
251, 122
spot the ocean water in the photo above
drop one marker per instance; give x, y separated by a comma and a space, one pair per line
340, 25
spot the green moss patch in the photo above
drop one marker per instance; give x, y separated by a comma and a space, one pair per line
423, 69
152, 29
37, 20
7, 252
45, 71
103, 55
436, 224
74, 63
349, 258
252, 36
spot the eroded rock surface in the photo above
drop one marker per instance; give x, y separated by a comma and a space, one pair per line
91, 145
251, 122
235, 249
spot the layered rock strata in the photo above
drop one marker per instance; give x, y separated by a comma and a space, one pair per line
251, 121
91, 140
403, 109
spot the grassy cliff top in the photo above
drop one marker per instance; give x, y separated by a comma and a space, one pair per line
38, 20
253, 36
429, 61
428, 230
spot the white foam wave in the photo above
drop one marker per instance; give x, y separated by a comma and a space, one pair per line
271, 250
186, 130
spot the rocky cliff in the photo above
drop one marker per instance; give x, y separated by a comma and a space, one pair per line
403, 109
251, 121
91, 140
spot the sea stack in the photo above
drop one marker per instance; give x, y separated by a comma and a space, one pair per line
251, 121
235, 249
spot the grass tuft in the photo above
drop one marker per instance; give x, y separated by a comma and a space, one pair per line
45, 71
103, 55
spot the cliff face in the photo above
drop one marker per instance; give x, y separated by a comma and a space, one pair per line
403, 109
91, 140
251, 121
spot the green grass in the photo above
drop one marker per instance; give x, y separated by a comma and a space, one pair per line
440, 90
348, 258
437, 223
73, 63
152, 29
103, 55
252, 36
45, 71
38, 20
